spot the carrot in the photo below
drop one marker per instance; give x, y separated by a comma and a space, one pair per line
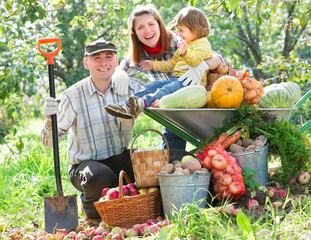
222, 138
232, 139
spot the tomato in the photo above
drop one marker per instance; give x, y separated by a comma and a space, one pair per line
236, 188
219, 162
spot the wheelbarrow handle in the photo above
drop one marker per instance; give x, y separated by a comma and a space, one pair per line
50, 56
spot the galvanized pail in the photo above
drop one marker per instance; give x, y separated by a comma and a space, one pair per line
179, 189
256, 160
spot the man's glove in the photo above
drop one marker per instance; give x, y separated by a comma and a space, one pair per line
194, 75
122, 82
50, 107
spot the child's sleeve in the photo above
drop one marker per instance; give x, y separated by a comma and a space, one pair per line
165, 66
200, 51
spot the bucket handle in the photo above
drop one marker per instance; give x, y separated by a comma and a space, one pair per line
152, 130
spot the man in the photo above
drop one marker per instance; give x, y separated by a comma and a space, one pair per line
97, 141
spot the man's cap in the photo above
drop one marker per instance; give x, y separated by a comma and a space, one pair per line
99, 46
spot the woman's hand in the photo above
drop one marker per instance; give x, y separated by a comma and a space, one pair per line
146, 65
182, 46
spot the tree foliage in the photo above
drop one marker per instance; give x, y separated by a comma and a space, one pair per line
270, 37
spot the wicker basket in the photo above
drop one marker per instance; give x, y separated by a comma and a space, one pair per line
146, 164
127, 211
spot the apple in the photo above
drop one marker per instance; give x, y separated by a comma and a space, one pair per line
142, 190
59, 234
280, 193
264, 233
159, 218
131, 232
98, 238
155, 228
81, 235
304, 178
292, 180
271, 191
114, 195
166, 222
229, 208
3, 227
105, 190
277, 204
143, 228
134, 192
126, 190
235, 212
132, 186
152, 222
137, 227
152, 189
252, 204
112, 190
48, 237
68, 237
99, 231
116, 236
222, 68
73, 233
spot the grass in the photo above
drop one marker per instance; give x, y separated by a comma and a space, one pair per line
27, 175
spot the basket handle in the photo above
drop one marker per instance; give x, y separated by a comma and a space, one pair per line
152, 130
128, 180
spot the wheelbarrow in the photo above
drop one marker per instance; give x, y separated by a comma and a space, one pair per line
194, 125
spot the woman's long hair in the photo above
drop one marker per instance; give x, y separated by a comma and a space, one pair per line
136, 47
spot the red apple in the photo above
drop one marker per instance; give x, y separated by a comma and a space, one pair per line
117, 236
159, 218
98, 238
99, 231
114, 195
104, 192
132, 186
154, 228
137, 227
252, 204
73, 233
116, 230
166, 222
292, 180
143, 228
67, 237
229, 209
152, 189
152, 222
126, 190
60, 234
280, 193
134, 192
304, 178
271, 191
235, 212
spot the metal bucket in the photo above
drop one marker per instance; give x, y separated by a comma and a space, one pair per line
256, 160
179, 189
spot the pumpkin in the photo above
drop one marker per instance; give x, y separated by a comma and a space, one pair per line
227, 92
276, 97
252, 89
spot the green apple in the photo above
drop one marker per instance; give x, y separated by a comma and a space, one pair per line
3, 227
142, 190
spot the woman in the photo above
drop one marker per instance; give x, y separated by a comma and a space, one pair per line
151, 40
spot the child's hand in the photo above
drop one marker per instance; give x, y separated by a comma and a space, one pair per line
146, 65
182, 46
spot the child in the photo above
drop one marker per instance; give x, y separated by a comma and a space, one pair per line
193, 28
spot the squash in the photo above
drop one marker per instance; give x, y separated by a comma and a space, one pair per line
227, 92
293, 89
187, 97
210, 103
276, 97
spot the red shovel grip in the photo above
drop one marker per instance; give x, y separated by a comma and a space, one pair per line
49, 56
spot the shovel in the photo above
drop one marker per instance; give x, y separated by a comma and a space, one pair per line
61, 212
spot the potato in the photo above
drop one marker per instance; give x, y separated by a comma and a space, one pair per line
239, 142
258, 143
176, 161
177, 165
178, 173
205, 170
168, 168
261, 138
163, 172
240, 150
250, 148
247, 142
186, 171
179, 169
233, 147
192, 164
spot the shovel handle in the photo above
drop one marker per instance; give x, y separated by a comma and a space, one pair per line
50, 56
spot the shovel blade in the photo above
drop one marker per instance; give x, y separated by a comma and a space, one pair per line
61, 212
